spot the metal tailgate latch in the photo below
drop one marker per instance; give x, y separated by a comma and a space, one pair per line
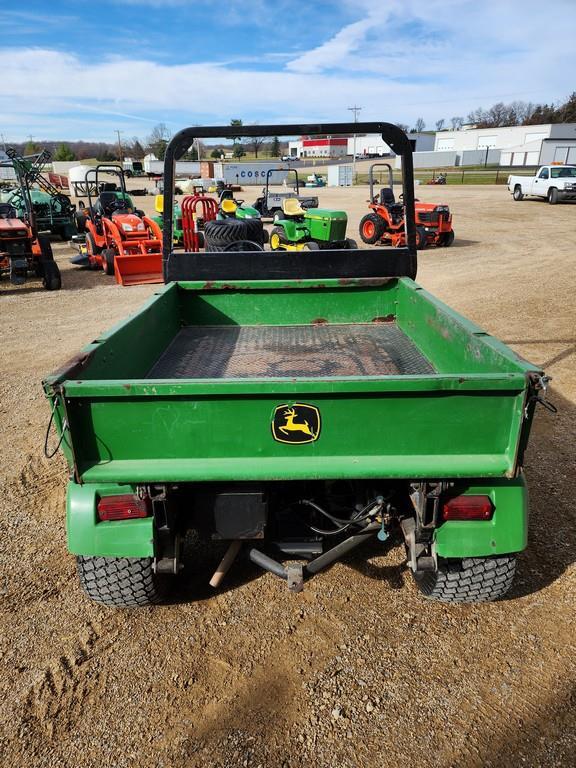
538, 396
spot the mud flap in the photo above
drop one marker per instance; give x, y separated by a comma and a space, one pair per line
138, 268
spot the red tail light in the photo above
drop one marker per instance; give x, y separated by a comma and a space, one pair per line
123, 507
468, 508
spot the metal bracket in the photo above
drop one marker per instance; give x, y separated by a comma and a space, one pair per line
295, 576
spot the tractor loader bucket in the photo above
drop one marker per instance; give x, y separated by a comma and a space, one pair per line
138, 268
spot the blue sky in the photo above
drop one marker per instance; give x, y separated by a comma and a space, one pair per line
82, 70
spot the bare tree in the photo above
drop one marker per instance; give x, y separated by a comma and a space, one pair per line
457, 123
158, 140
255, 142
440, 124
419, 125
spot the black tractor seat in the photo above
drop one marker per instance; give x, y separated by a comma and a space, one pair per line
8, 211
108, 202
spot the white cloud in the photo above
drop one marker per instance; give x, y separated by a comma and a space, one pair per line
408, 59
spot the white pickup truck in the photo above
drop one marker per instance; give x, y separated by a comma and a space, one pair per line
552, 182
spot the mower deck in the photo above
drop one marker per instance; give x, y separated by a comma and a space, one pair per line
232, 352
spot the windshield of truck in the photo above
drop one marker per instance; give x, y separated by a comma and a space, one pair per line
564, 173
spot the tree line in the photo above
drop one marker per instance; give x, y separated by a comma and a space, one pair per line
155, 144
497, 116
502, 115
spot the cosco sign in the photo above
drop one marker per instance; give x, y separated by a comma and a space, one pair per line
254, 174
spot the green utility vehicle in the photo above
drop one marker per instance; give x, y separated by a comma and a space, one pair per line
309, 229
294, 406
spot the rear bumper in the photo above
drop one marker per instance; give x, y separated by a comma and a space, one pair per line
504, 534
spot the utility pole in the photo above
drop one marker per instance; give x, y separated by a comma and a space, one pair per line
120, 154
355, 110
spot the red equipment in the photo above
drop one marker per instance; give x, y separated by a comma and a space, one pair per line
385, 223
120, 239
192, 223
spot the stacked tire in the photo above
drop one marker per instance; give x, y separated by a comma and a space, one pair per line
219, 234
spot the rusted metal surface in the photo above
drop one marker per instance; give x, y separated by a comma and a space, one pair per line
319, 350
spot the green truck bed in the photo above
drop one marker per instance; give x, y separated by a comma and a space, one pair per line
187, 389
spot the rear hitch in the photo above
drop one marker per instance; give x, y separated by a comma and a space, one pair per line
294, 573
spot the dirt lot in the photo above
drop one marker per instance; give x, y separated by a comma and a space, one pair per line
358, 670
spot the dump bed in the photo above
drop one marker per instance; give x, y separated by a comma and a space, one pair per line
190, 388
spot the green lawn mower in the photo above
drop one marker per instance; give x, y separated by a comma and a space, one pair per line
177, 229
230, 208
309, 229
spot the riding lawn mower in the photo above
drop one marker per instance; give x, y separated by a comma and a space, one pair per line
385, 222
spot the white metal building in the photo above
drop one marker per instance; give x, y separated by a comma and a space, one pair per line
372, 145
518, 145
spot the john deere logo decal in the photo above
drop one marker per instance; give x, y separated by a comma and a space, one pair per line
297, 423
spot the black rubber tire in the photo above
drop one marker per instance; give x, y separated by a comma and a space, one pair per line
421, 238
246, 246
92, 250
276, 215
552, 195
255, 230
51, 280
379, 227
47, 267
67, 232
108, 255
352, 245
219, 233
447, 238
121, 582
518, 194
276, 231
312, 245
471, 580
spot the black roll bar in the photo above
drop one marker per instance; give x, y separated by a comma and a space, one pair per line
391, 135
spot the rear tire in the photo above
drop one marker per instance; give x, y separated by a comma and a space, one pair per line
447, 238
552, 195
121, 582
371, 228
92, 250
421, 238
352, 245
518, 194
471, 580
108, 255
51, 278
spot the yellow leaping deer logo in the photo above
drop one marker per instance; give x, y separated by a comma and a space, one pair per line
297, 423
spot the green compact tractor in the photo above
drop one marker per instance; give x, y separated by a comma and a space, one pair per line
53, 210
310, 229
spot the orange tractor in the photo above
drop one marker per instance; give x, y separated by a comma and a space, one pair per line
120, 239
385, 222
23, 251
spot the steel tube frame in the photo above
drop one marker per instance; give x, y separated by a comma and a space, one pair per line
391, 135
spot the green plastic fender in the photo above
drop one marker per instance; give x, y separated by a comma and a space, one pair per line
118, 538
506, 533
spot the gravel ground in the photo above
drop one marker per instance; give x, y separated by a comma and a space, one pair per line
358, 670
